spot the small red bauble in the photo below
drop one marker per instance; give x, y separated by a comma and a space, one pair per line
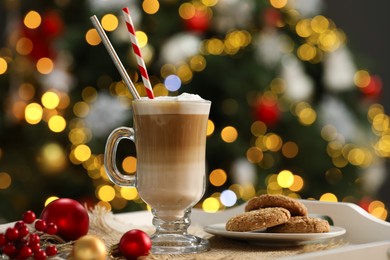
70, 217
199, 22
267, 111
135, 243
272, 17
374, 87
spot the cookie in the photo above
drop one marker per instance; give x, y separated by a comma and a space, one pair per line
295, 207
302, 224
258, 219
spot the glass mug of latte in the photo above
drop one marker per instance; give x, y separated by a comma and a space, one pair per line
170, 139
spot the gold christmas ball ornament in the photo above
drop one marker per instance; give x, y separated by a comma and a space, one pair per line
89, 247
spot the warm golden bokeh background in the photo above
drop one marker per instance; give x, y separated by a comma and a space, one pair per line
297, 108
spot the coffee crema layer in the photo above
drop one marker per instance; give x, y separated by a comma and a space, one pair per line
183, 104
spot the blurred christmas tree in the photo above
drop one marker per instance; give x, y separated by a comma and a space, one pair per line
292, 112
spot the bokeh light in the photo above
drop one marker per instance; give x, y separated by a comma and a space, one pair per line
378, 209
129, 193
26, 91
210, 205
45, 65
198, 63
218, 177
330, 197
57, 124
92, 37
278, 3
82, 152
186, 11
229, 134
362, 78
106, 193
5, 180
210, 127
228, 198
129, 164
290, 149
32, 20
254, 155
53, 157
109, 22
24, 46
258, 128
172, 83
285, 179
33, 113
297, 184
160, 90
3, 66
142, 38
81, 109
50, 100
150, 6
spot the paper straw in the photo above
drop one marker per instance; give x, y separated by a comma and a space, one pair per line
137, 52
115, 57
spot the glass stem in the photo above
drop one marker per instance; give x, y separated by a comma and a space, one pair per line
178, 226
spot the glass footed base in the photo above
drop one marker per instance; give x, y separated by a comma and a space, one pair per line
178, 244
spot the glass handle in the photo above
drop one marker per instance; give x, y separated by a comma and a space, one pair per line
110, 156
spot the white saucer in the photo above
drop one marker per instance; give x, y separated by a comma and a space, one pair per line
263, 237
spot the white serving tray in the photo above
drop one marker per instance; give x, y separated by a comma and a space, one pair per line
368, 237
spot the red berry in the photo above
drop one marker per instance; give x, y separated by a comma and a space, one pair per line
51, 250
40, 255
51, 229
34, 239
19, 224
40, 225
34, 246
23, 231
9, 249
25, 252
29, 217
2, 239
11, 234
135, 243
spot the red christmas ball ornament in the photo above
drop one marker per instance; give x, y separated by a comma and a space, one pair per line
374, 87
135, 243
364, 203
70, 217
52, 24
199, 22
272, 17
267, 111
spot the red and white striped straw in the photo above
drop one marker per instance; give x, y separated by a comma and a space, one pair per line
137, 51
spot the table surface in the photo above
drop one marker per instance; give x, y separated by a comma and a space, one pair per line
366, 237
